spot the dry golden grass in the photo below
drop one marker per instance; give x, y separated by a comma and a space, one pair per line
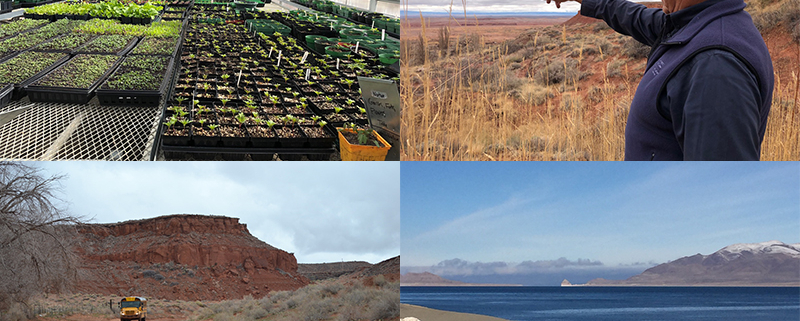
515, 101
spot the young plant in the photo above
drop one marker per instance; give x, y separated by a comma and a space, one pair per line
241, 118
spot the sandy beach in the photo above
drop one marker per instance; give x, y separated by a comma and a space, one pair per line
426, 314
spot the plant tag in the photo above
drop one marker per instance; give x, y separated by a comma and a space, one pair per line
240, 78
305, 55
279, 57
373, 24
270, 52
383, 34
357, 42
308, 73
337, 63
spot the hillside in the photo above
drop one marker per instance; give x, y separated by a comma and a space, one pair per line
187, 257
322, 271
559, 92
767, 263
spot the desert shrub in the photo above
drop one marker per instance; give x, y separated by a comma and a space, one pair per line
385, 305
600, 26
379, 280
557, 71
543, 40
356, 297
280, 296
534, 94
595, 94
226, 316
570, 102
635, 49
152, 274
470, 42
351, 312
331, 288
511, 46
614, 68
603, 45
317, 310
256, 313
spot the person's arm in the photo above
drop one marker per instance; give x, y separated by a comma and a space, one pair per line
713, 102
628, 18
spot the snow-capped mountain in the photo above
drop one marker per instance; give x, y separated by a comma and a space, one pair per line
772, 247
766, 263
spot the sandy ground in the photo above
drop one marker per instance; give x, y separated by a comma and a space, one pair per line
81, 317
426, 314
493, 29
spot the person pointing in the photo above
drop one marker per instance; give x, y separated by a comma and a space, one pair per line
707, 88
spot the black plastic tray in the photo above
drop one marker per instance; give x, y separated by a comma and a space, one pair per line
65, 94
136, 98
19, 89
5, 94
123, 52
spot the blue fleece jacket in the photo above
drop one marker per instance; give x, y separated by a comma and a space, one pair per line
708, 86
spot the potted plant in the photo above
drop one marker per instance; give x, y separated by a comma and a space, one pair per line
358, 144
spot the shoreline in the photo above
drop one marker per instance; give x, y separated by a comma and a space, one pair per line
428, 314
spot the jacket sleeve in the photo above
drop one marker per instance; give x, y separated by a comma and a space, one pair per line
713, 102
628, 18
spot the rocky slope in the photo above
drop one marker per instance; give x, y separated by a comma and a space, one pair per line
766, 263
321, 271
188, 257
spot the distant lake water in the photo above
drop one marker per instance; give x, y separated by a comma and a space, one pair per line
613, 303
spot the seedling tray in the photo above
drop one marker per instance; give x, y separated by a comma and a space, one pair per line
136, 98
122, 52
19, 89
65, 94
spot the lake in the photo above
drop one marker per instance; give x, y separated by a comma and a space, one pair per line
613, 303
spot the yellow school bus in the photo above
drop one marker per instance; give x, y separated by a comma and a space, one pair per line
133, 308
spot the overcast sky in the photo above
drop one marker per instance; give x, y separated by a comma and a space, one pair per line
486, 6
618, 214
323, 212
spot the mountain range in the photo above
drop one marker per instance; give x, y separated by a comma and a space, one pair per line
772, 263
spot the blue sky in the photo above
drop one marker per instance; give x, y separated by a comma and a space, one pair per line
615, 213
321, 211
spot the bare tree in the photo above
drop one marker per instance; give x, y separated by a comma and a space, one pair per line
35, 234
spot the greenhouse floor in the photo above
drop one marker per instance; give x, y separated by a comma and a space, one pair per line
53, 131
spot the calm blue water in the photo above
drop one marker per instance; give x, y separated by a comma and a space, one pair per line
613, 303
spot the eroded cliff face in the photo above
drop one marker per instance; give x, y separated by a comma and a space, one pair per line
190, 257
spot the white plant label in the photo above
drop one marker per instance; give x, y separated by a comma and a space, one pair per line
240, 78
308, 73
305, 55
337, 63
373, 24
270, 52
279, 57
357, 46
383, 34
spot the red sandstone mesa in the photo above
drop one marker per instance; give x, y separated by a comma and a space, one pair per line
189, 257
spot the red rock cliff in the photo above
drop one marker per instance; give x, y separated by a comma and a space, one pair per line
217, 258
